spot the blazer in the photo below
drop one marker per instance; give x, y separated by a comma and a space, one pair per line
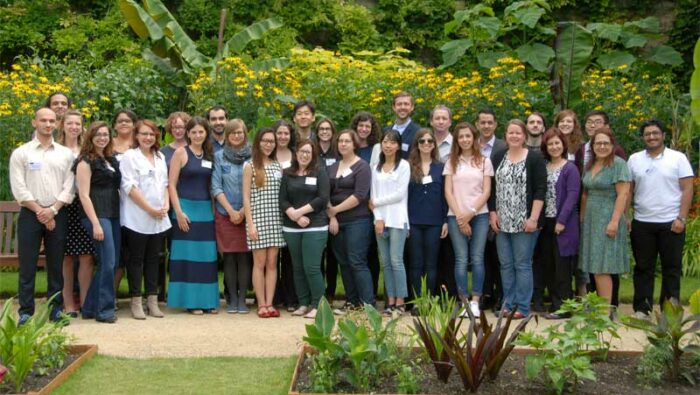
407, 137
568, 189
536, 188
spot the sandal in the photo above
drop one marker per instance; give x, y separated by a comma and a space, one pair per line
262, 312
211, 311
272, 312
195, 311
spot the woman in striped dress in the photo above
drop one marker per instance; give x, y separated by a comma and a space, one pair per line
194, 282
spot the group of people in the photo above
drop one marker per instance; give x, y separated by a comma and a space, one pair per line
533, 211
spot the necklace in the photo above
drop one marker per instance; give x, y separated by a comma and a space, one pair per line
200, 156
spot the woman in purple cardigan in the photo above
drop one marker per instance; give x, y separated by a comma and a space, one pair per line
560, 236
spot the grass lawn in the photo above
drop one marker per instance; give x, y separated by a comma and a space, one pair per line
8, 286
105, 375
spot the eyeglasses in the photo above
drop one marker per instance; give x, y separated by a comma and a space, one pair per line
147, 134
426, 141
304, 152
596, 122
267, 141
652, 133
101, 135
602, 144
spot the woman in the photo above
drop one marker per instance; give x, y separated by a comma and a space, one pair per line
78, 241
144, 215
194, 280
98, 177
467, 189
368, 133
604, 237
349, 219
515, 211
567, 123
389, 203
303, 199
427, 211
261, 185
559, 237
123, 123
175, 126
325, 130
229, 216
286, 144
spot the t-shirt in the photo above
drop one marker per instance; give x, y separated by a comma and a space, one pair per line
468, 183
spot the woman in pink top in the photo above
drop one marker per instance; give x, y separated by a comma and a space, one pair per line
467, 189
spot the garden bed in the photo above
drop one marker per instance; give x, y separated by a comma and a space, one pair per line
41, 385
615, 376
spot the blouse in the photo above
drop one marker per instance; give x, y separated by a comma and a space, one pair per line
152, 181
390, 195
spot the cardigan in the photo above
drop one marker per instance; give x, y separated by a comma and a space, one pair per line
297, 191
568, 190
426, 202
536, 188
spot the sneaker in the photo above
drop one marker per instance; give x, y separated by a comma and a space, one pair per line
343, 309
474, 307
243, 309
640, 315
23, 318
302, 310
232, 309
399, 309
311, 314
388, 310
291, 309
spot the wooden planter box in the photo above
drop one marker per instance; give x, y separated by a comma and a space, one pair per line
86, 352
309, 350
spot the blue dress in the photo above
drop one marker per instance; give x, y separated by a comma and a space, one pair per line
194, 282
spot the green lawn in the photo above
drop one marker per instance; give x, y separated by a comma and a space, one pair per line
105, 375
8, 286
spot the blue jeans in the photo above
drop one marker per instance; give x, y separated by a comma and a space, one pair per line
424, 249
466, 248
515, 253
350, 247
99, 301
390, 244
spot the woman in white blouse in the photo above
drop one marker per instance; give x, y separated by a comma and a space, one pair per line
389, 202
144, 214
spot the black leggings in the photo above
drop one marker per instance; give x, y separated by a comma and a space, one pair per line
142, 264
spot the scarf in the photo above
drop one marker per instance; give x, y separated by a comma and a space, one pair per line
237, 156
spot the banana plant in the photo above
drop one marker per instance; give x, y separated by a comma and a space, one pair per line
573, 49
174, 51
695, 85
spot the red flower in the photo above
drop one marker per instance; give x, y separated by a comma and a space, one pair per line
3, 370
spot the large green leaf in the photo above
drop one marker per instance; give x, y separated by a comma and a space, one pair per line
253, 32
537, 55
695, 85
663, 54
139, 20
187, 48
608, 31
529, 16
649, 24
489, 59
462, 16
453, 50
573, 49
489, 24
614, 59
269, 64
632, 40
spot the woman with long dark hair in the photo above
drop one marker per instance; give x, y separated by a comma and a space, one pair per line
98, 177
194, 280
261, 185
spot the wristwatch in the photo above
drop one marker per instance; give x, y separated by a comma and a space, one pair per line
53, 210
681, 219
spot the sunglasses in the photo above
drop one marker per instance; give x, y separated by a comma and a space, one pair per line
426, 141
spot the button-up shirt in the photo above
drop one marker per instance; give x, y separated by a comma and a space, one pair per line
444, 148
42, 174
488, 147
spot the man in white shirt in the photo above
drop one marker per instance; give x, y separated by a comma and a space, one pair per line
440, 122
662, 181
42, 183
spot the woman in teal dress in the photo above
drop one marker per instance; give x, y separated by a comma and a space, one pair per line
194, 281
604, 238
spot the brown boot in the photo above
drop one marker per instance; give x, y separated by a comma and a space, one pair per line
152, 306
137, 308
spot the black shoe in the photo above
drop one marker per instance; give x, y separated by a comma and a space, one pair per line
108, 320
23, 318
538, 307
58, 316
72, 314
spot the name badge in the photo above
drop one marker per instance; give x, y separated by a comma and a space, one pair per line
346, 173
310, 181
404, 147
427, 179
330, 161
285, 164
277, 174
206, 163
34, 166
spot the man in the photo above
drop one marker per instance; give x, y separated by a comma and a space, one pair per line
42, 183
662, 185
440, 122
304, 116
217, 117
535, 126
403, 108
595, 120
59, 103
490, 146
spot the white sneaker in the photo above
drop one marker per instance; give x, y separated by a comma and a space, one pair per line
311, 314
300, 311
474, 307
640, 315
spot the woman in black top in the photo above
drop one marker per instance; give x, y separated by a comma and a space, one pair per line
303, 200
349, 222
98, 177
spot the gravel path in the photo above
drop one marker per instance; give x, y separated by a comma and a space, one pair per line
180, 334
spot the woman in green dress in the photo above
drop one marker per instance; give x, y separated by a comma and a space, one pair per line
604, 237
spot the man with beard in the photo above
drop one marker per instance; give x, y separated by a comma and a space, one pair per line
217, 118
403, 107
535, 125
